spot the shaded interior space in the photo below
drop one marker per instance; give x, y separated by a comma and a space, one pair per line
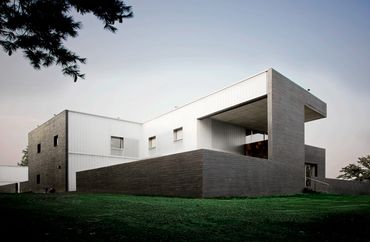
252, 116
257, 149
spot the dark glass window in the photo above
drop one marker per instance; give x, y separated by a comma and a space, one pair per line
116, 142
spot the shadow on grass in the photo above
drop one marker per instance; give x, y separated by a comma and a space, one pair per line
76, 218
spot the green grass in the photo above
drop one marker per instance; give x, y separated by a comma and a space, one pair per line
106, 217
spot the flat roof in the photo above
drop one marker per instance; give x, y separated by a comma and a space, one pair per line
220, 90
101, 116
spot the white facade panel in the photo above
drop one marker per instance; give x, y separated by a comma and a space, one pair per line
91, 134
188, 115
163, 130
89, 143
204, 133
13, 174
228, 137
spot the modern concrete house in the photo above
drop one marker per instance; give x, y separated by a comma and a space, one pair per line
244, 140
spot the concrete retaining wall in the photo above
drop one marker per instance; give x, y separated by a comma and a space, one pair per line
348, 187
173, 175
206, 173
226, 175
10, 188
200, 173
25, 186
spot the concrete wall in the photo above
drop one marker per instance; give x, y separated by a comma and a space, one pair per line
286, 103
9, 188
50, 163
226, 174
25, 186
173, 175
316, 155
348, 187
200, 173
206, 173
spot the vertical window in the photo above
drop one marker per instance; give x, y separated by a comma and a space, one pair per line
116, 142
177, 134
38, 179
38, 148
56, 141
152, 142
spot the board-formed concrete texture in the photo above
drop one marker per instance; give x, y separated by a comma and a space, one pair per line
9, 188
286, 118
348, 187
25, 187
316, 155
173, 175
207, 159
48, 167
200, 173
229, 175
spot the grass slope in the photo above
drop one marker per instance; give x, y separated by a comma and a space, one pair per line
105, 217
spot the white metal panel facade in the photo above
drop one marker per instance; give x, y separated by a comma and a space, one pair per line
89, 142
13, 174
228, 137
91, 134
195, 131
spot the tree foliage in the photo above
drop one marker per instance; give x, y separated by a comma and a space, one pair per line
357, 172
40, 27
24, 160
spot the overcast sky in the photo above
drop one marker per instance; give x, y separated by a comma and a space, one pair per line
173, 52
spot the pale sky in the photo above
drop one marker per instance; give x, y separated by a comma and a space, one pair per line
173, 52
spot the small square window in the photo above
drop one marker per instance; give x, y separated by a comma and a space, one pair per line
177, 134
38, 148
116, 142
56, 141
38, 179
152, 142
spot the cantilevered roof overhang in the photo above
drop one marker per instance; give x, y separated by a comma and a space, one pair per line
251, 115
311, 114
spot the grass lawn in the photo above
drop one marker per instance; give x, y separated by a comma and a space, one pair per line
106, 217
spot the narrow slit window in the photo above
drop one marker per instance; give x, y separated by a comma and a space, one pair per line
177, 134
152, 142
56, 141
38, 179
38, 148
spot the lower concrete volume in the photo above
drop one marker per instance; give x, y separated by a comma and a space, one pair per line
173, 175
205, 173
200, 173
